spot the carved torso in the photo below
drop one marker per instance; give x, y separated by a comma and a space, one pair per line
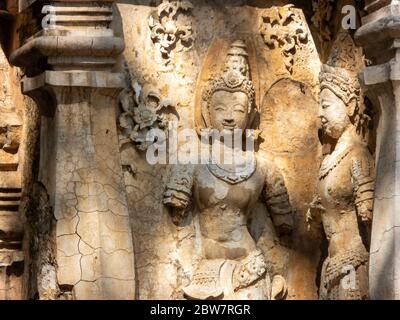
225, 209
341, 171
337, 198
345, 196
335, 187
231, 265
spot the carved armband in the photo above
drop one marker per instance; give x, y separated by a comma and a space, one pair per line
179, 188
363, 186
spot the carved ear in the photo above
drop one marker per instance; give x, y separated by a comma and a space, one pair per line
352, 107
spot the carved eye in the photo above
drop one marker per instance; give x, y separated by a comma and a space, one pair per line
219, 108
239, 108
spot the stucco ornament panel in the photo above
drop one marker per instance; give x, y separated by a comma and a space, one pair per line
171, 28
168, 249
283, 29
143, 111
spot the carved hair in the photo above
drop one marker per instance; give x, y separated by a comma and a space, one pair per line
340, 82
235, 78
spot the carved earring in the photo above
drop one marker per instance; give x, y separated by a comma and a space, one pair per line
352, 109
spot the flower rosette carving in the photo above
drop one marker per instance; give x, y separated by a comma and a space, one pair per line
143, 111
171, 27
284, 29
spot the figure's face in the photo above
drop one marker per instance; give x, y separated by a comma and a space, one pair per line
229, 110
333, 114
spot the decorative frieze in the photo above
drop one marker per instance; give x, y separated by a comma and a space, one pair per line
283, 29
171, 28
143, 110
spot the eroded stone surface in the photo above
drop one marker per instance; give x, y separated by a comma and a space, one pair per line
93, 215
12, 157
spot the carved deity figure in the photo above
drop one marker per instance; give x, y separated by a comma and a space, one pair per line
231, 266
344, 198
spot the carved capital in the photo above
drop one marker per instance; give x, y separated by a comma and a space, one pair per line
69, 35
373, 5
379, 32
42, 87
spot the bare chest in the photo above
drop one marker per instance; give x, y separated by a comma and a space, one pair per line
210, 190
335, 186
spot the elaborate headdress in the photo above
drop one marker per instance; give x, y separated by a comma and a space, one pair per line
340, 74
236, 75
341, 82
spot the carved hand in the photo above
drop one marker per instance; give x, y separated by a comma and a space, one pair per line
364, 210
314, 211
279, 288
177, 205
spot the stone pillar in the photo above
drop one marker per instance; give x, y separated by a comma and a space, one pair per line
380, 37
80, 164
11, 226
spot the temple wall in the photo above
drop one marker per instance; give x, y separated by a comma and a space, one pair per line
164, 253
80, 220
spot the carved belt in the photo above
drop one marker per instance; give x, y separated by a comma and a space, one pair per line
206, 281
335, 271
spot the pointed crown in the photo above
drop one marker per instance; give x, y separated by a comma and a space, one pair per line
235, 77
340, 74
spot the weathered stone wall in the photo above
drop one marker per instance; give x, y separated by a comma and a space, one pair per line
288, 97
74, 211
12, 157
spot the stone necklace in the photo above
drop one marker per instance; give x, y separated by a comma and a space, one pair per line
332, 161
233, 175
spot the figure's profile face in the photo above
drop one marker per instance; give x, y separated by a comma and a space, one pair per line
229, 110
333, 114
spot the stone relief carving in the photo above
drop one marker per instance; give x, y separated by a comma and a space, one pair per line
171, 28
143, 109
345, 192
11, 226
231, 265
10, 135
282, 28
231, 262
323, 13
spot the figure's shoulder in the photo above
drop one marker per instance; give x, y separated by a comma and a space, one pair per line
360, 151
183, 170
265, 161
361, 160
